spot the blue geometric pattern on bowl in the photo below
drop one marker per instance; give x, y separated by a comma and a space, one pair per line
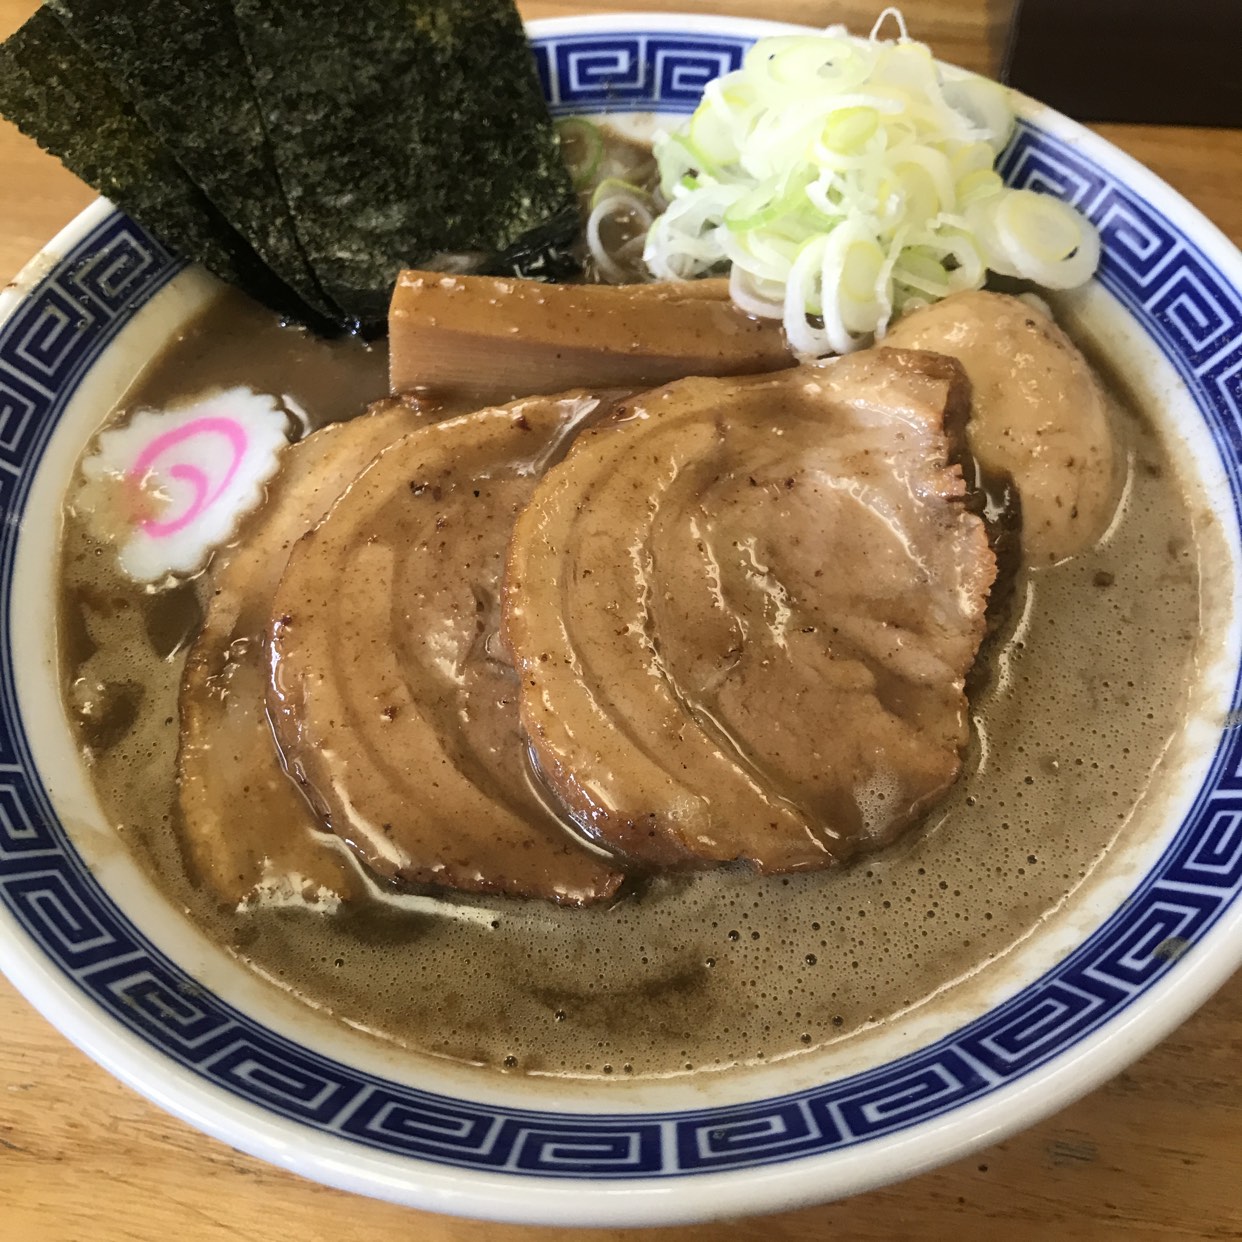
1161, 278
664, 72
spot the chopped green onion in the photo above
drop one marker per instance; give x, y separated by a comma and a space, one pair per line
618, 187
849, 130
842, 178
582, 148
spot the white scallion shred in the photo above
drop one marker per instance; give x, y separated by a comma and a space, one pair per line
634, 209
841, 181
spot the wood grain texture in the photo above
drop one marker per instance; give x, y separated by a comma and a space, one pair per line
1152, 1155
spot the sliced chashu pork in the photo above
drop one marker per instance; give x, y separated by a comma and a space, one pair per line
1039, 414
742, 615
246, 828
390, 696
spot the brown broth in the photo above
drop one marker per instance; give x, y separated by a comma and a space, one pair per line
696, 972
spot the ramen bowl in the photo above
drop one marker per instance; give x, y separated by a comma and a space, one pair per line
93, 944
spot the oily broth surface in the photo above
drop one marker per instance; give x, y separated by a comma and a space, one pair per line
684, 973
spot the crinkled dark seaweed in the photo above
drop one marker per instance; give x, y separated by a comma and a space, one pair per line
402, 130
52, 90
180, 64
305, 150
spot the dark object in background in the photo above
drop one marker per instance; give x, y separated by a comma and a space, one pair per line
1171, 62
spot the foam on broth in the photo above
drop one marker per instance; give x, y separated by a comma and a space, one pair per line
1081, 693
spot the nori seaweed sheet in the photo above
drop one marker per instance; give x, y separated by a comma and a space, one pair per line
404, 129
55, 93
182, 68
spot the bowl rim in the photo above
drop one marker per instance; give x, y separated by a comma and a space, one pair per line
690, 1197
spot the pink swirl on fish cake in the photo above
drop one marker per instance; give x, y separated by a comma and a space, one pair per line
204, 495
168, 487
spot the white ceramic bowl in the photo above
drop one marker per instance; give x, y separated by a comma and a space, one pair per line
95, 947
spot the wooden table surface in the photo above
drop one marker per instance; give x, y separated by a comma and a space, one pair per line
1157, 1153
